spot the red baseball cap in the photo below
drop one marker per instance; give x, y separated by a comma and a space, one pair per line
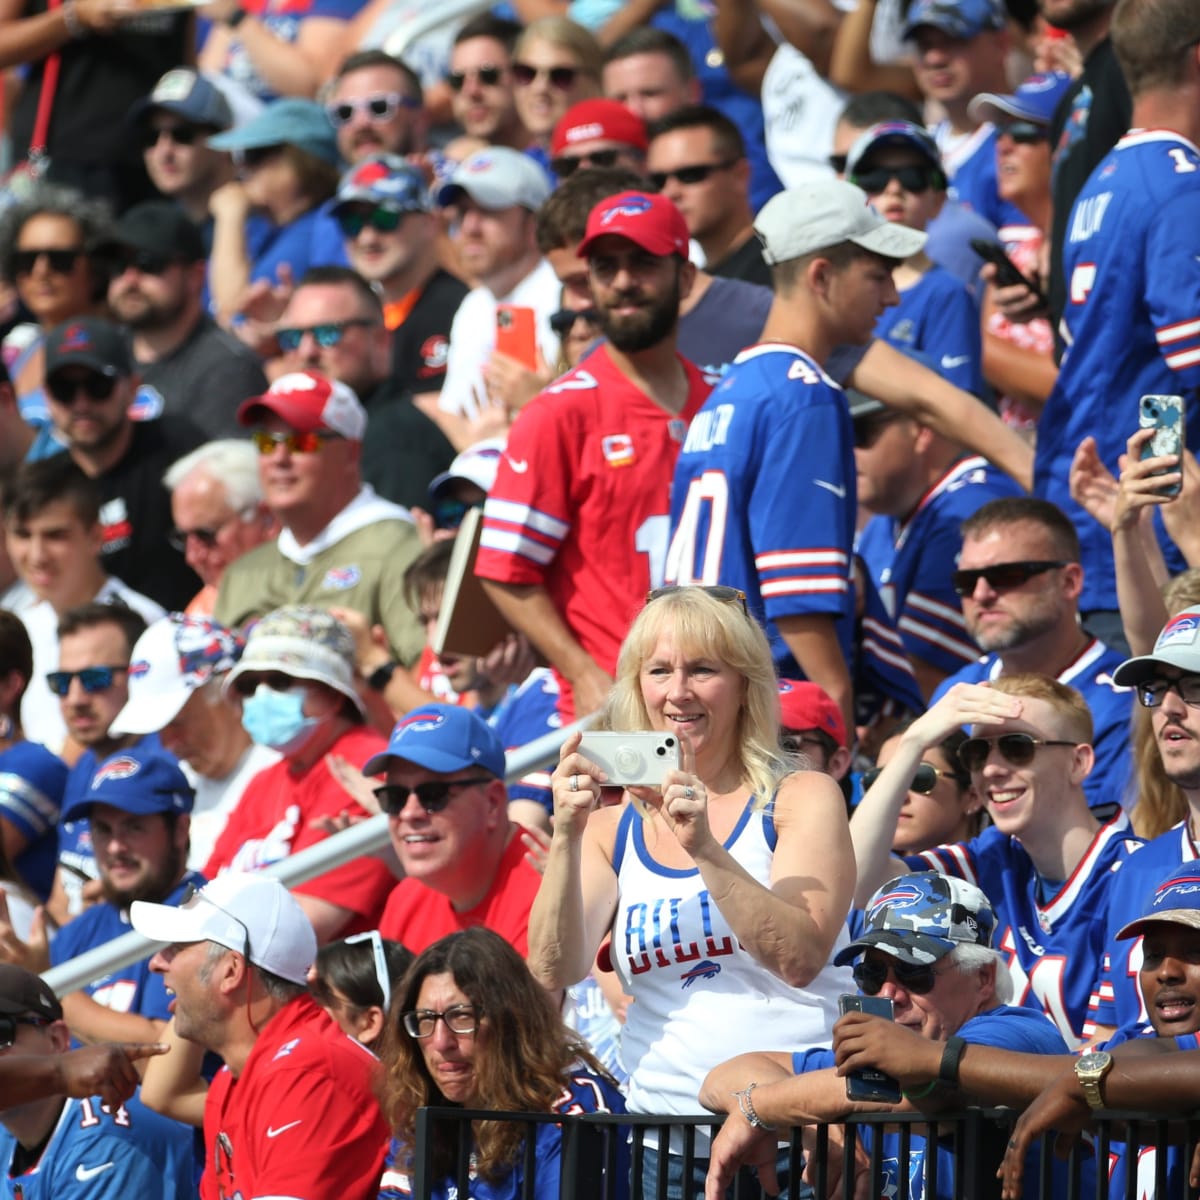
647, 219
598, 120
803, 705
309, 403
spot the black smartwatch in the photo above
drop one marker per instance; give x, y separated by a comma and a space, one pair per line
379, 678
948, 1071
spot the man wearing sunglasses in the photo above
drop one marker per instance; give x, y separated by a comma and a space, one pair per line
195, 368
339, 543
481, 82
463, 859
376, 105
1046, 863
1019, 580
927, 946
55, 1148
597, 133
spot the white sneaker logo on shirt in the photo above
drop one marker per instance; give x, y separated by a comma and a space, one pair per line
274, 1133
83, 1174
520, 465
838, 491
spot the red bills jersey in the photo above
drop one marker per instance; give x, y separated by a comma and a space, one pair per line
581, 503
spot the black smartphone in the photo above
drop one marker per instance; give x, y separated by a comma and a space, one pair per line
1007, 272
870, 1084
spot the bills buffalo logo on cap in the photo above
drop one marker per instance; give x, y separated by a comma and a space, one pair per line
479, 162
904, 896
138, 668
75, 337
1182, 628
341, 579
631, 207
418, 723
1175, 887
370, 172
124, 767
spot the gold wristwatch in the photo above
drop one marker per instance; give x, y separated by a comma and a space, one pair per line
1090, 1070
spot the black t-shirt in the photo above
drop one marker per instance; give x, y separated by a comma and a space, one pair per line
420, 345
136, 514
746, 262
1089, 121
205, 378
403, 449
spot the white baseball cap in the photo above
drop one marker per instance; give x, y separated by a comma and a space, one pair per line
823, 213
252, 914
476, 464
496, 178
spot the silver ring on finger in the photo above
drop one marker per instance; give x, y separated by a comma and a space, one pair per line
574, 783
688, 793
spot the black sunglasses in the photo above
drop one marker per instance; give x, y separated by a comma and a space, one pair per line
432, 796
718, 591
867, 430
872, 975
1000, 576
177, 539
145, 262
923, 781
1024, 133
697, 173
449, 513
381, 106
255, 156
181, 135
488, 76
59, 261
8, 1027
838, 163
1016, 748
327, 335
352, 221
64, 388
564, 168
562, 78
563, 321
1153, 692
91, 679
912, 179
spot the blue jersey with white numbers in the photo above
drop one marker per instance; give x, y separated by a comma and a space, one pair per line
1118, 999
911, 561
98, 1154
1131, 323
1053, 946
938, 317
1091, 674
584, 1092
764, 493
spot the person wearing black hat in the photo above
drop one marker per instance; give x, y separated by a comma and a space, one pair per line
158, 281
91, 381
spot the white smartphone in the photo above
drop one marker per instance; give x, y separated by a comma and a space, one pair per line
632, 759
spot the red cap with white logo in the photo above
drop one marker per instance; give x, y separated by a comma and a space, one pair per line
648, 219
309, 403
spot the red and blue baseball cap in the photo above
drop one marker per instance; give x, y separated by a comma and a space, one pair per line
957, 18
140, 780
442, 738
387, 181
1176, 900
804, 705
1034, 100
647, 219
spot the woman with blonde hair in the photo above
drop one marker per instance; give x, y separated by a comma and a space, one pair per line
556, 63
725, 891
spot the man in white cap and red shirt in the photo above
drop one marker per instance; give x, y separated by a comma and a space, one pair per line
575, 525
293, 1111
340, 544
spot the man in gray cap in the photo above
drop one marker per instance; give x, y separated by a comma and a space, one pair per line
189, 366
495, 194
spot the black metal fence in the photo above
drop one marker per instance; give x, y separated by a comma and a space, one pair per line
899, 1156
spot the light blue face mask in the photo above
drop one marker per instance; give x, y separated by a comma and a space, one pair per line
277, 719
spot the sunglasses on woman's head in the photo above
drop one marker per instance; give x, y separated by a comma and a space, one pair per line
61, 262
871, 975
562, 78
432, 796
718, 591
1017, 749
924, 779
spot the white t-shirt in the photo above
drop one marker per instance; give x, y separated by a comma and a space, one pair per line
800, 111
473, 336
217, 798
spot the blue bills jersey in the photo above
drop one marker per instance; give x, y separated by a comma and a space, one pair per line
884, 680
1053, 946
529, 712
970, 163
764, 494
1131, 324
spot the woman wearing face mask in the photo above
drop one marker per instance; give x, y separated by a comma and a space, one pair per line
295, 687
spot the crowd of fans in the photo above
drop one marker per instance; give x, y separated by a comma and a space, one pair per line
765, 376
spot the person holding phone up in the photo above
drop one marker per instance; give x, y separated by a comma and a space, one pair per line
725, 889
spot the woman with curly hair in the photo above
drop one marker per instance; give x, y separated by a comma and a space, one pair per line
470, 1027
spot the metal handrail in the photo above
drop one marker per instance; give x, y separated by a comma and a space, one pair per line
367, 837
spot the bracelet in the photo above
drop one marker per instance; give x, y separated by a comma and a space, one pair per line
746, 1105
948, 1071
235, 18
379, 678
74, 26
923, 1092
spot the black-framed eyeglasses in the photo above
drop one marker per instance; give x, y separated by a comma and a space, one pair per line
327, 334
352, 221
911, 179
91, 679
1152, 692
381, 968
432, 796
566, 166
377, 107
460, 1019
924, 779
696, 173
192, 894
61, 262
718, 591
181, 135
1024, 133
1001, 576
488, 76
871, 975
563, 321
66, 388
9, 1023
561, 78
1017, 749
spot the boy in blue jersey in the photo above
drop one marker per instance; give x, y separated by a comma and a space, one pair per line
926, 947
763, 495
1131, 261
58, 1149
1046, 863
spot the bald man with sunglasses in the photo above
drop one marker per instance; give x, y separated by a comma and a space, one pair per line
1046, 862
